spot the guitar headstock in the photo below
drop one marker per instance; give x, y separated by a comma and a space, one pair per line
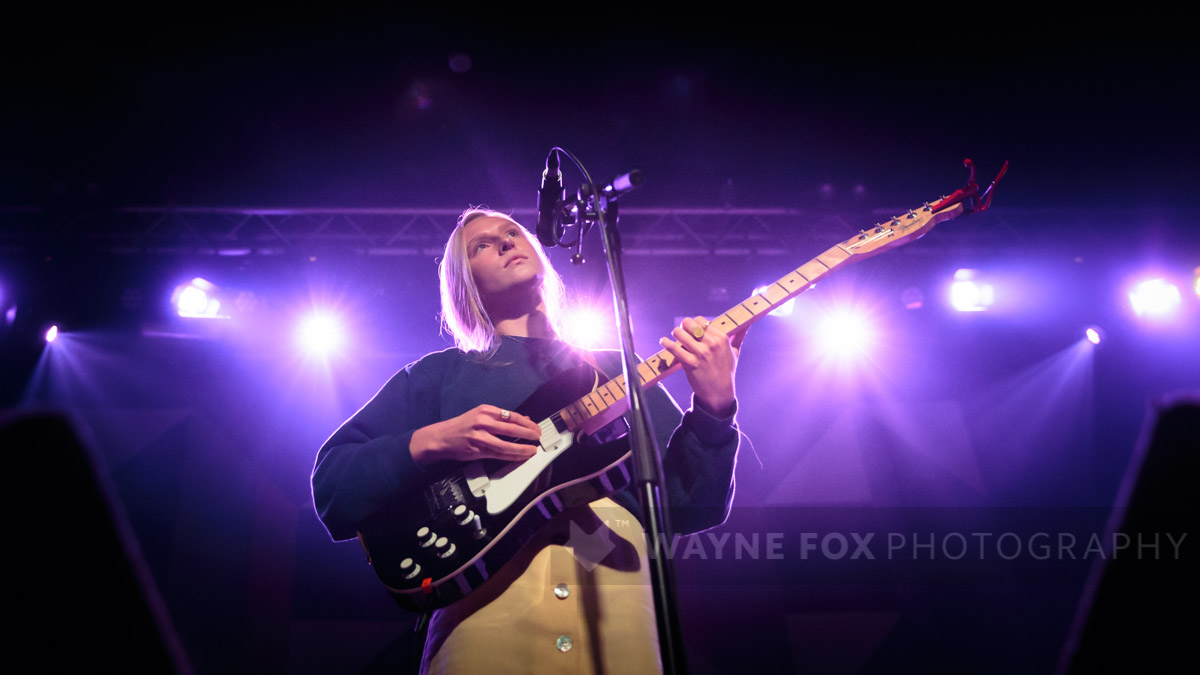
912, 225
899, 230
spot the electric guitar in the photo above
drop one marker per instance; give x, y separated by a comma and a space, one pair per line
436, 546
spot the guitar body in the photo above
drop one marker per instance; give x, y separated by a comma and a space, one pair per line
439, 544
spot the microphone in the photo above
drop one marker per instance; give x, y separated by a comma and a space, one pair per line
623, 183
550, 199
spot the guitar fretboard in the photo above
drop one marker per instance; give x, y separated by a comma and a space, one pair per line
607, 401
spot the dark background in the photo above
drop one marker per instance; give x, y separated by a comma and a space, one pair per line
207, 442
313, 106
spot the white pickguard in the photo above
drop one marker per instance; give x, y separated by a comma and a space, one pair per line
503, 486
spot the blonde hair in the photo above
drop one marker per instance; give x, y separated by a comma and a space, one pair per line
463, 314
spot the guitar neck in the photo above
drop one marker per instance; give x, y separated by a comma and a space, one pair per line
607, 401
604, 401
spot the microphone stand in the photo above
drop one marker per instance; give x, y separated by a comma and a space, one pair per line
647, 465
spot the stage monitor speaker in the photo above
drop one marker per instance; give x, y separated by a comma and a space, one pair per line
1139, 610
79, 592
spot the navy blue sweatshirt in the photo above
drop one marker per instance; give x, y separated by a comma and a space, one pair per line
367, 460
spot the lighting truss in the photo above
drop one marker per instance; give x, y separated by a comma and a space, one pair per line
645, 231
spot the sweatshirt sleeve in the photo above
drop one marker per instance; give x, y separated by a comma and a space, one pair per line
367, 462
698, 462
699, 454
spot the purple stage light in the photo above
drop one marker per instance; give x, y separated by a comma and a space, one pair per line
1154, 298
1094, 334
967, 294
785, 309
320, 333
196, 300
192, 301
51, 334
846, 334
588, 328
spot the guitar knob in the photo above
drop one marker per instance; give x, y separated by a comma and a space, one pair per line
444, 548
467, 518
409, 568
463, 515
426, 537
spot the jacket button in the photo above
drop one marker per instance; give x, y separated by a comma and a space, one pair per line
561, 591
564, 643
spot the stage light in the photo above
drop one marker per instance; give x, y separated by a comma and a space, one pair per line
197, 300
1196, 281
845, 334
51, 334
1094, 334
10, 315
320, 333
785, 309
589, 328
968, 294
1154, 298
192, 301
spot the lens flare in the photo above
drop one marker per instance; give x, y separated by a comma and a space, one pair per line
320, 334
589, 328
846, 334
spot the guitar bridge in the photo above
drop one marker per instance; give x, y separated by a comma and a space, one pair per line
446, 494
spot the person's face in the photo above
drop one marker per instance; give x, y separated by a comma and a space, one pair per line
501, 256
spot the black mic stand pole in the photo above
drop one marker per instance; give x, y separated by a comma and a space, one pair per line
648, 472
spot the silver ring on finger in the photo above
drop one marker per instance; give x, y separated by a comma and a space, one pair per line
505, 415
